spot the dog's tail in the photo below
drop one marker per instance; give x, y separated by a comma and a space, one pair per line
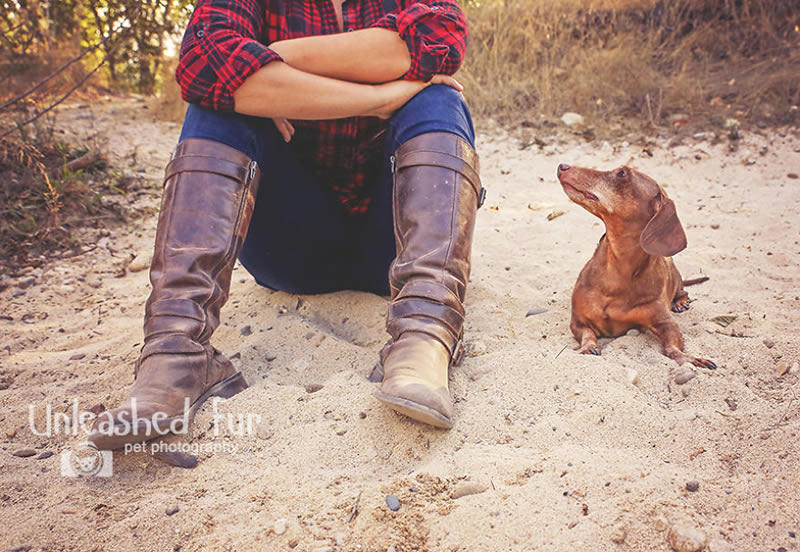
694, 281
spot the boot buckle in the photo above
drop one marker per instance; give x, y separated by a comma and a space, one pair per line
482, 197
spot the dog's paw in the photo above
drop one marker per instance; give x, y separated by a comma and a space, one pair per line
681, 305
591, 350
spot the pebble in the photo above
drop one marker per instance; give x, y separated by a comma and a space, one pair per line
692, 486
477, 348
279, 526
685, 538
23, 452
466, 488
45, 454
26, 282
140, 262
768, 343
172, 510
313, 387
392, 502
619, 533
684, 376
633, 332
535, 311
94, 281
78, 356
795, 369
782, 368
719, 545
391, 549
688, 415
633, 376
571, 119
247, 330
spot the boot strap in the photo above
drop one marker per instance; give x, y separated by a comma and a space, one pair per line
206, 164
429, 158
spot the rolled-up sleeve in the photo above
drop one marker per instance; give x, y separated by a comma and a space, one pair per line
436, 34
220, 50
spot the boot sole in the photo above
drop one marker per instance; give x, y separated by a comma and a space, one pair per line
224, 389
415, 411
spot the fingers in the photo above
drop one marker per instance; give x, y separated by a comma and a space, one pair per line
285, 128
448, 80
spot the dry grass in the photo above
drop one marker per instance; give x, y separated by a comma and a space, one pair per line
626, 63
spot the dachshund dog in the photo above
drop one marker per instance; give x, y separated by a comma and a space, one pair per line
630, 281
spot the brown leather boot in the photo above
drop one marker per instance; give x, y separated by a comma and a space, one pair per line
209, 195
437, 192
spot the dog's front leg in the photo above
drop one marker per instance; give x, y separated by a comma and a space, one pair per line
666, 329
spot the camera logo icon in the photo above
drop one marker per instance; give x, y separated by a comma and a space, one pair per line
85, 460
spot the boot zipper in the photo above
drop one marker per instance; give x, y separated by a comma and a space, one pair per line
253, 167
392, 163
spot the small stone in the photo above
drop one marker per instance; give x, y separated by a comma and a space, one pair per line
279, 527
688, 415
362, 415
795, 368
140, 262
26, 282
684, 376
633, 332
177, 459
466, 488
172, 510
692, 486
782, 368
768, 343
685, 538
24, 452
535, 311
732, 404
719, 545
619, 533
660, 523
476, 348
313, 387
11, 434
571, 119
392, 502
793, 176
632, 375
46, 454
391, 549
94, 281
247, 330
78, 356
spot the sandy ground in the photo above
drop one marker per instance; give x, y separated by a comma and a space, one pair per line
551, 450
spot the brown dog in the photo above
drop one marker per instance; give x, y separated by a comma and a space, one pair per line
630, 281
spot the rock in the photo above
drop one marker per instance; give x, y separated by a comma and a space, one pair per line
313, 387
686, 538
732, 404
94, 281
23, 452
692, 486
619, 533
26, 282
632, 375
177, 459
392, 502
247, 330
633, 332
172, 510
78, 356
466, 488
46, 454
768, 343
688, 415
535, 311
684, 376
391, 548
140, 262
660, 523
782, 368
795, 368
476, 348
279, 527
571, 119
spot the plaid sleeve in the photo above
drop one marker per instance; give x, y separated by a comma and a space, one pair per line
220, 49
436, 34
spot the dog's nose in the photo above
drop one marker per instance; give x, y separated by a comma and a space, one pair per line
562, 168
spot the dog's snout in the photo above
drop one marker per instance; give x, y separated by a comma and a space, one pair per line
563, 167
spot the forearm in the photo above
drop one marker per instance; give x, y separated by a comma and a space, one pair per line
366, 56
278, 90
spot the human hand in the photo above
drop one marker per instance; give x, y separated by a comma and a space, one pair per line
397, 93
285, 128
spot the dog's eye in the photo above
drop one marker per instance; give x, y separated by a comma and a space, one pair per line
621, 174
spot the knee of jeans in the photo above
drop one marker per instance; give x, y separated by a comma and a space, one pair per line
437, 108
232, 129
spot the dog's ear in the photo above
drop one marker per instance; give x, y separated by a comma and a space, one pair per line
663, 236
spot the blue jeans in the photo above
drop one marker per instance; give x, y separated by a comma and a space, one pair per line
300, 239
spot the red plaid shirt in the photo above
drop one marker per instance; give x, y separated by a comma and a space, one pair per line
227, 41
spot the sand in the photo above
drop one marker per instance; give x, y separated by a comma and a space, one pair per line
551, 450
